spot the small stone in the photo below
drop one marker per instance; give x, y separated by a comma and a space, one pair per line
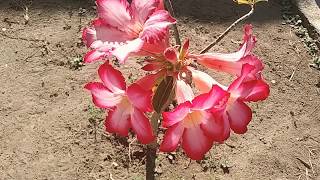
273, 81
115, 165
291, 113
158, 170
3, 29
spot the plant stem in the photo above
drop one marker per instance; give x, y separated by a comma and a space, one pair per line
169, 7
152, 149
246, 16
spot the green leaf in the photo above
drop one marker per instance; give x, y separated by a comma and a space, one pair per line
164, 93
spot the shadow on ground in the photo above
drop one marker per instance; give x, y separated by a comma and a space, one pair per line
203, 10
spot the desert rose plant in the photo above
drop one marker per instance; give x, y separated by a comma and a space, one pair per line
204, 112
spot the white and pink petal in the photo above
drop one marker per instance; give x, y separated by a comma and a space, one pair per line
101, 96
139, 97
141, 126
195, 143
239, 115
112, 78
172, 138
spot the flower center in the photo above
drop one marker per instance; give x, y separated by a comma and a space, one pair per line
135, 29
193, 119
125, 104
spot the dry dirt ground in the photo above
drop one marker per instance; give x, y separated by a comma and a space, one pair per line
47, 121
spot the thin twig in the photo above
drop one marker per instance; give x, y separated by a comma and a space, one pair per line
175, 27
246, 16
130, 144
21, 38
295, 69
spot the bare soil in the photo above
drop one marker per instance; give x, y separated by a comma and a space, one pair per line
47, 122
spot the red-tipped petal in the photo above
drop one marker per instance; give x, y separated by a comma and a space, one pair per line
171, 55
124, 51
152, 66
195, 143
118, 121
142, 9
139, 97
209, 100
231, 62
257, 90
101, 96
172, 138
141, 126
239, 116
245, 75
183, 92
89, 36
215, 127
114, 12
203, 81
156, 27
93, 56
107, 33
177, 115
112, 78
150, 80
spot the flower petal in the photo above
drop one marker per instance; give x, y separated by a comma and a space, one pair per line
152, 66
209, 100
122, 52
171, 55
139, 97
183, 92
143, 8
112, 78
156, 27
172, 138
114, 12
203, 81
150, 80
245, 75
195, 143
257, 90
107, 33
177, 115
215, 127
118, 121
232, 62
89, 36
141, 126
93, 56
239, 116
101, 96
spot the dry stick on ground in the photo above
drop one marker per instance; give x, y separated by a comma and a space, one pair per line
169, 7
130, 144
298, 65
246, 16
21, 38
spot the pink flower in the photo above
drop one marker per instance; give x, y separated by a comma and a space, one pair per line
235, 113
193, 124
232, 62
124, 29
126, 105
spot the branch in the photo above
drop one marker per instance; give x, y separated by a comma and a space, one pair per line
169, 7
246, 16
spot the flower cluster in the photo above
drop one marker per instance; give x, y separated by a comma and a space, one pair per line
206, 110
